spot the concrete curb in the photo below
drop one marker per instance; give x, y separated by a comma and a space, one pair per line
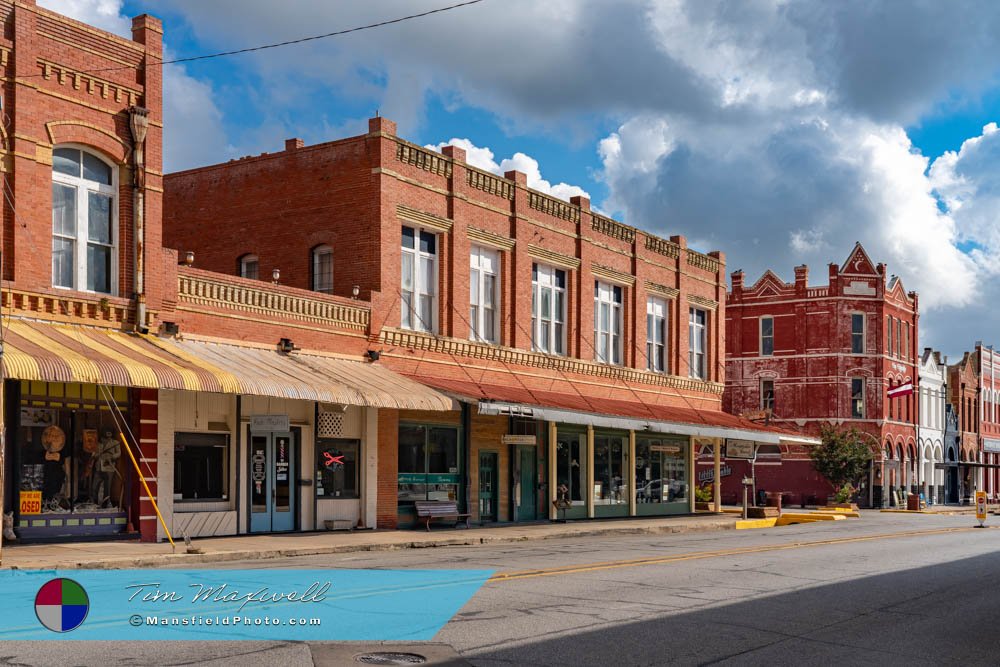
464, 538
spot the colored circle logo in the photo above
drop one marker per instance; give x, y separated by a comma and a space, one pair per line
61, 605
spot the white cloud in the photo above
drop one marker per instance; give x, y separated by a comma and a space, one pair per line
483, 158
103, 14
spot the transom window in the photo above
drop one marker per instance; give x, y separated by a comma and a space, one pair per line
419, 280
607, 323
857, 333
656, 335
697, 325
84, 222
322, 269
484, 283
250, 267
548, 309
766, 336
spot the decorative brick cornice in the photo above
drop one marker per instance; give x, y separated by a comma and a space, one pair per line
490, 239
415, 340
701, 261
661, 290
711, 304
612, 228
665, 248
612, 275
491, 183
422, 158
554, 258
423, 219
552, 206
226, 294
93, 85
96, 311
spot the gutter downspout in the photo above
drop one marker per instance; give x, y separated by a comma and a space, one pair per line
139, 123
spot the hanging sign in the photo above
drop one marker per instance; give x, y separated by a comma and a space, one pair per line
31, 502
519, 439
269, 423
740, 449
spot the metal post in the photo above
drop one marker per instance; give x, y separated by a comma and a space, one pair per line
718, 475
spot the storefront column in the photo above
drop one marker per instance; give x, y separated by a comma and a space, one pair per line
717, 452
631, 473
590, 471
553, 490
692, 476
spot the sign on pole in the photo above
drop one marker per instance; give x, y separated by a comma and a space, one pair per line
981, 507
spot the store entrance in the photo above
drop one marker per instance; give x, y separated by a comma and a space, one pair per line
489, 475
273, 457
525, 482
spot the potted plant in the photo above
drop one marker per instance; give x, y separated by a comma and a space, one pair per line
703, 497
842, 498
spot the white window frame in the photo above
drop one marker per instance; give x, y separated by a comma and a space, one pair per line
863, 334
81, 239
410, 316
761, 337
764, 404
608, 333
545, 281
697, 359
245, 261
318, 253
657, 322
863, 402
483, 263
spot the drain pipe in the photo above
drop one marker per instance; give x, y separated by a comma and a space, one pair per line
139, 123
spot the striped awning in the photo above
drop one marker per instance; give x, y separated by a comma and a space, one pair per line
66, 353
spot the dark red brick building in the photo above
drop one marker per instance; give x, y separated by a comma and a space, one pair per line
827, 355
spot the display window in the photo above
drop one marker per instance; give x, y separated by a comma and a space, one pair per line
337, 470
661, 472
69, 459
428, 463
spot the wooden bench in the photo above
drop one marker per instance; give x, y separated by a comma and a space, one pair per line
440, 509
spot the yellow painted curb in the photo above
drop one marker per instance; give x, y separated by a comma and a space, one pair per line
812, 516
747, 524
852, 514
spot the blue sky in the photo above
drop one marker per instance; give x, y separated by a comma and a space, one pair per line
779, 131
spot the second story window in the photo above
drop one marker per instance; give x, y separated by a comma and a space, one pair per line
322, 269
548, 309
857, 333
419, 280
697, 325
656, 335
766, 336
607, 323
250, 267
857, 398
484, 282
84, 222
888, 338
767, 395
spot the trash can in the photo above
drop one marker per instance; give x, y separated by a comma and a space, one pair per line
774, 499
913, 502
761, 497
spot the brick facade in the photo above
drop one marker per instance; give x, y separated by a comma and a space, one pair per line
813, 361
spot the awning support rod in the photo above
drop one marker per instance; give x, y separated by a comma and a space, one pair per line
145, 486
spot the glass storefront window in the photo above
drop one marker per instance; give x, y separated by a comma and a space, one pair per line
571, 466
428, 463
661, 474
201, 466
610, 461
337, 472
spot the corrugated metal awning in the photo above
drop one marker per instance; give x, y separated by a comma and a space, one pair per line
67, 353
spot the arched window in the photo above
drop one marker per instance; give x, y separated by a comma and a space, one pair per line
250, 267
84, 221
322, 269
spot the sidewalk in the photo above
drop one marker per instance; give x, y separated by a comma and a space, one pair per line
119, 555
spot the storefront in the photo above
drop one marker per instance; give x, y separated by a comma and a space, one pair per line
431, 463
68, 475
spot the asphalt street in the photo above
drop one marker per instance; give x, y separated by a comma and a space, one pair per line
888, 589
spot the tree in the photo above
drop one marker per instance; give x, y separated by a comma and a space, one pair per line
842, 457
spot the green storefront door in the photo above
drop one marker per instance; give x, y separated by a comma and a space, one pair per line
489, 475
526, 478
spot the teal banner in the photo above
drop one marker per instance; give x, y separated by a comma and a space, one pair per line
334, 605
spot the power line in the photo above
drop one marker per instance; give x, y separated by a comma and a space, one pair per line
290, 42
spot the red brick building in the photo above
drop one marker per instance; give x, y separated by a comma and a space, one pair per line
827, 355
586, 355
962, 444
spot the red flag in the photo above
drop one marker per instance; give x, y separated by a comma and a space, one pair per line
901, 390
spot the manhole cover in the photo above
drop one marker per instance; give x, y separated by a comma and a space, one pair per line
390, 658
